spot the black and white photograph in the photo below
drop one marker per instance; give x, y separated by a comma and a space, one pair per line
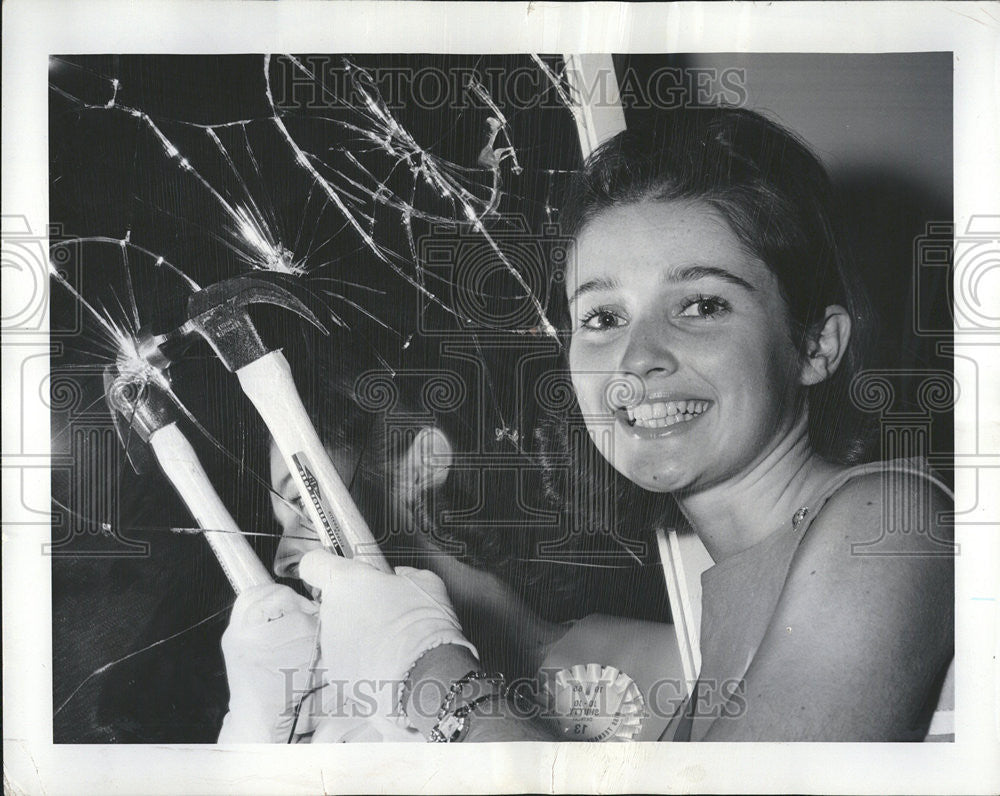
392, 386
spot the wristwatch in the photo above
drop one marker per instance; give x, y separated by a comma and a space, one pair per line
452, 723
454, 726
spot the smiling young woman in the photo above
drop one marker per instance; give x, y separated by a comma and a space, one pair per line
715, 328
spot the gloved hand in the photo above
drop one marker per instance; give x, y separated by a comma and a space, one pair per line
269, 649
374, 626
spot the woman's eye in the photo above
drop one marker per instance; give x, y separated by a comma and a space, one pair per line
601, 320
704, 307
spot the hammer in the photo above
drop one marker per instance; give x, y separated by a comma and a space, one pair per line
154, 420
218, 313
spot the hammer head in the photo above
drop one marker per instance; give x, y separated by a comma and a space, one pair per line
218, 313
139, 407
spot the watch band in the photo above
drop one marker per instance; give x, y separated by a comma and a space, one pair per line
452, 725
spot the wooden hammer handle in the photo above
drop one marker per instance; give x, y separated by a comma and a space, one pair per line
268, 383
180, 464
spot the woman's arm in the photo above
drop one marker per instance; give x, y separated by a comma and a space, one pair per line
380, 632
860, 634
437, 670
507, 632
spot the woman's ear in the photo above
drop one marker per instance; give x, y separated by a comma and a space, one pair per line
826, 345
425, 464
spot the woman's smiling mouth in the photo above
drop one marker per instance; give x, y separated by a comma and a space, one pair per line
662, 414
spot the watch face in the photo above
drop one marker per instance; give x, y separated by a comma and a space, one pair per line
451, 727
591, 702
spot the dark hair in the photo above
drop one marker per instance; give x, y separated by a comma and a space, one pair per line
359, 404
777, 198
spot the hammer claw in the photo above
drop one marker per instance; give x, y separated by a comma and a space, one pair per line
218, 313
242, 291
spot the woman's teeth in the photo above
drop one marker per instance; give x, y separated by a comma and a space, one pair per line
660, 415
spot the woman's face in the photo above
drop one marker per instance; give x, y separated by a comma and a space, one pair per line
425, 464
681, 354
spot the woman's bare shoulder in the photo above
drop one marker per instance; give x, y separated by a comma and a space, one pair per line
875, 573
882, 514
879, 547
864, 624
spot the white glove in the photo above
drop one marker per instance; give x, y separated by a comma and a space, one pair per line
374, 626
269, 649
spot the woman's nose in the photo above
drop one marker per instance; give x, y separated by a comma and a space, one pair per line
295, 542
649, 351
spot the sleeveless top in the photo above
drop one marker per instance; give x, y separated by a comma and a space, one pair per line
739, 598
